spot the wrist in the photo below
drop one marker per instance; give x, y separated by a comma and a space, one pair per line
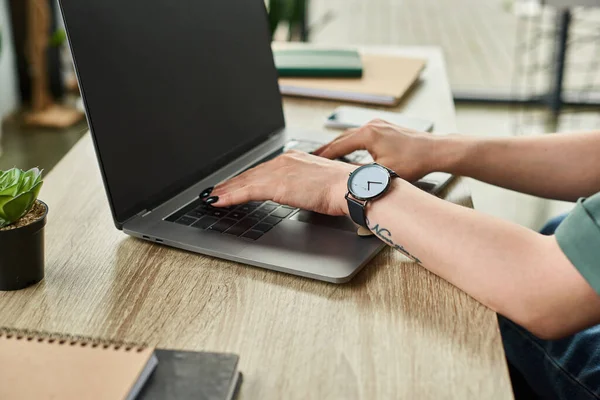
397, 185
338, 193
358, 210
451, 153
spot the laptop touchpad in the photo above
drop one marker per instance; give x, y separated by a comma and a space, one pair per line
342, 223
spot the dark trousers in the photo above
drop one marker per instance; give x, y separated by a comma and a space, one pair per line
568, 368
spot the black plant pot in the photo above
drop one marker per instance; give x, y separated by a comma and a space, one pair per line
22, 255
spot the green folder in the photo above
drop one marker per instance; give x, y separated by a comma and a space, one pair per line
318, 63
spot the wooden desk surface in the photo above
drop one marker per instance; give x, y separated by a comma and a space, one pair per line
396, 331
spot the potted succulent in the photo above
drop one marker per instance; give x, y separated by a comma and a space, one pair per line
22, 221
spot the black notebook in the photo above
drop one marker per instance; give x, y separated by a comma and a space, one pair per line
193, 375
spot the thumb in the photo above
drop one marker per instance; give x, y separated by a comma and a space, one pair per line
346, 145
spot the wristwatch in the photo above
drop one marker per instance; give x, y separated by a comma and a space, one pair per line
366, 183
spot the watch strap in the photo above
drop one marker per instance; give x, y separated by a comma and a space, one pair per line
392, 173
357, 211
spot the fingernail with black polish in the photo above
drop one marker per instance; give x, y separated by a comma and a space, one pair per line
206, 192
212, 200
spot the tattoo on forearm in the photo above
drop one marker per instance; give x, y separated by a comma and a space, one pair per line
385, 235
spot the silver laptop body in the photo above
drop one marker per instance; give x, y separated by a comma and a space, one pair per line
304, 243
180, 96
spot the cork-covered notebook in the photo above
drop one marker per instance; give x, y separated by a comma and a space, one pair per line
48, 366
385, 81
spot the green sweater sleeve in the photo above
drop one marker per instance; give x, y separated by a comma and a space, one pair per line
579, 238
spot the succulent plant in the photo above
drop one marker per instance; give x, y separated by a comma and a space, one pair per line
18, 192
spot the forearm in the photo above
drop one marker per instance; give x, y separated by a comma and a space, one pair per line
514, 271
558, 166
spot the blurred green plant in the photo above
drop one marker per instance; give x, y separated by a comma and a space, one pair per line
18, 192
58, 38
290, 11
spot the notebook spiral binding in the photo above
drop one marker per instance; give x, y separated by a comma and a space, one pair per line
71, 340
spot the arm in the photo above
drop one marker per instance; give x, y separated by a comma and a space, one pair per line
558, 166
514, 271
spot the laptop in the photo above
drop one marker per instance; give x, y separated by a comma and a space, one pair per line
181, 95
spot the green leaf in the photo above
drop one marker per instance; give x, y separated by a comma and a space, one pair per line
24, 183
11, 182
29, 179
3, 177
35, 190
18, 206
10, 190
3, 201
14, 174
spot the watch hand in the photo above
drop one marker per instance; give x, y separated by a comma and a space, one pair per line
369, 184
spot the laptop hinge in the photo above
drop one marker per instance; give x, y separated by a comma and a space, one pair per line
142, 214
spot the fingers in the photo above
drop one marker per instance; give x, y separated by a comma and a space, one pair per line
251, 185
239, 191
368, 127
235, 182
264, 182
243, 178
343, 135
230, 185
296, 179
344, 146
241, 196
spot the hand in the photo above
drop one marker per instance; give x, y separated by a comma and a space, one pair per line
295, 178
407, 152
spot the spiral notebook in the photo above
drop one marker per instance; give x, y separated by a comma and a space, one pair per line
48, 366
40, 365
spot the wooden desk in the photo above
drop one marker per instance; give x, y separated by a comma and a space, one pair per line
396, 331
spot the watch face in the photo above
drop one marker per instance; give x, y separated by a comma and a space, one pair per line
368, 181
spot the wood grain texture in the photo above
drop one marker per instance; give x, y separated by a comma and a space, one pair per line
395, 331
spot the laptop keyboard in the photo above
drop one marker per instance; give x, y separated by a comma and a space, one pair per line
249, 221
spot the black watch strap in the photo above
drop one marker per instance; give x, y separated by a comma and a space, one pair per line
357, 211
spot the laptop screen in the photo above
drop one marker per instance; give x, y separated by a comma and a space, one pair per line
173, 90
